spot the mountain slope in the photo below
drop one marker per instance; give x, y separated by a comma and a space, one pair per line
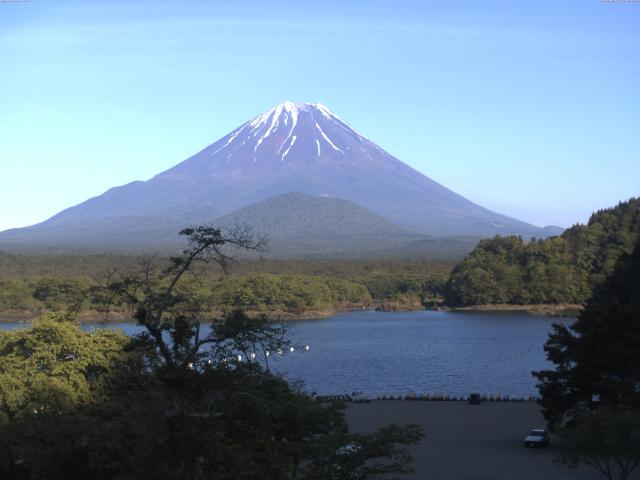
291, 148
299, 225
117, 233
298, 216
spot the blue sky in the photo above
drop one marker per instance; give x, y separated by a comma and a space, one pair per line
531, 109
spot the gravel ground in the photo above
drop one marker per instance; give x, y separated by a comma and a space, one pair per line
462, 441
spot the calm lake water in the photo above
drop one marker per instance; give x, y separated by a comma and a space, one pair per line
380, 353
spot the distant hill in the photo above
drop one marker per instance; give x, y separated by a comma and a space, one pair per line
552, 231
302, 225
298, 216
562, 269
296, 226
135, 234
294, 147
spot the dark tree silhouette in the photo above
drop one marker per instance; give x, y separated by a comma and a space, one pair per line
170, 315
592, 398
606, 440
597, 359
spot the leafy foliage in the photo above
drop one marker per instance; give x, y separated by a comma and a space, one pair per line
593, 395
60, 293
31, 286
54, 366
172, 403
600, 353
359, 457
562, 269
16, 294
606, 440
288, 293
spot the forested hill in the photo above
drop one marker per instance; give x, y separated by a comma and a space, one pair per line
560, 269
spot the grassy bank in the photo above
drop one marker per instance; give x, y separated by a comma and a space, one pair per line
560, 310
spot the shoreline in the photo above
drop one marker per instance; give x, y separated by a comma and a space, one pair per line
561, 310
115, 317
554, 310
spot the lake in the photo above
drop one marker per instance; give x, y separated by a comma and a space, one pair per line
380, 353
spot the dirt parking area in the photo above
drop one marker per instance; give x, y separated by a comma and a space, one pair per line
462, 441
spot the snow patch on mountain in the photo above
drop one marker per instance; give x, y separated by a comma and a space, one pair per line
324, 135
287, 150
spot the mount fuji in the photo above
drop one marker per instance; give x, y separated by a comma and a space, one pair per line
294, 147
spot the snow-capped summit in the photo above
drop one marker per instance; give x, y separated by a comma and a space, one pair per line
293, 147
285, 130
291, 110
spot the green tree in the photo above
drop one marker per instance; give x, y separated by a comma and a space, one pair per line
58, 294
186, 408
592, 397
598, 357
48, 372
364, 457
562, 269
606, 440
165, 305
53, 366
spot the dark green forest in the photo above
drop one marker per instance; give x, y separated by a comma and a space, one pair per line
509, 270
564, 269
33, 285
